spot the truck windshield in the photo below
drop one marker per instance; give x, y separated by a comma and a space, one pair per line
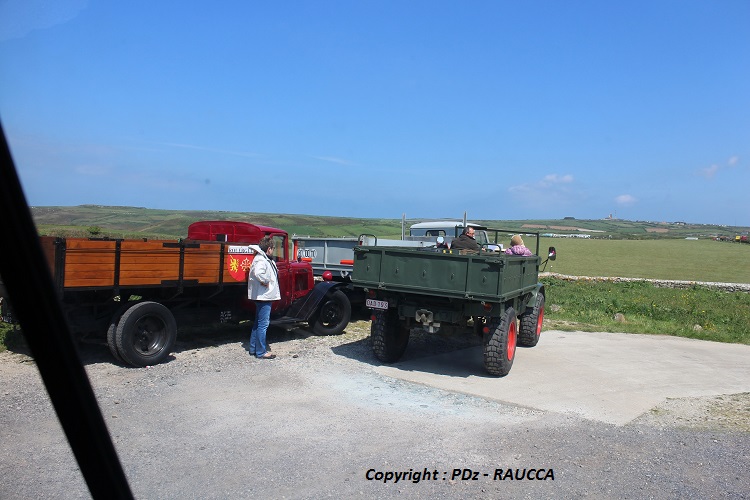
481, 237
280, 247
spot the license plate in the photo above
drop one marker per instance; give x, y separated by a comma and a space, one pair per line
376, 304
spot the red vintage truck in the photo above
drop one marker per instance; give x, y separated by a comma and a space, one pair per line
132, 293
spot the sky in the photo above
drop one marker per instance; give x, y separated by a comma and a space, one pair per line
502, 109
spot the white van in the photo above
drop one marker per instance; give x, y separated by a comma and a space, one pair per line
429, 231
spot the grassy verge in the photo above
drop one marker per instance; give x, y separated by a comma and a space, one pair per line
698, 312
9, 336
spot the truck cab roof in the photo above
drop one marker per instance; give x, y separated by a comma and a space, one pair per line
230, 231
448, 227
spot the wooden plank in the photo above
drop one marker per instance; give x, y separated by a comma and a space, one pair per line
164, 258
97, 283
150, 245
145, 277
153, 265
84, 244
89, 259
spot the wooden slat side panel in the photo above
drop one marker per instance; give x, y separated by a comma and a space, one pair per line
92, 263
89, 263
203, 263
148, 263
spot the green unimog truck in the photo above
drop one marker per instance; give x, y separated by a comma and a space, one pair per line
484, 292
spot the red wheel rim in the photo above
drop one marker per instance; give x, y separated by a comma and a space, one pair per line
511, 341
539, 321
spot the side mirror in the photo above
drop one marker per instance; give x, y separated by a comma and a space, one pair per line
552, 255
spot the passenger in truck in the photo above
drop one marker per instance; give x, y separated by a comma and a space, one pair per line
517, 247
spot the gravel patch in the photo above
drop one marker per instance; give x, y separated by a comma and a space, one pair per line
213, 422
729, 412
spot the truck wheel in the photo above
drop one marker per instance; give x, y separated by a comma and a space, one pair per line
112, 333
112, 340
389, 336
531, 324
500, 348
333, 315
146, 334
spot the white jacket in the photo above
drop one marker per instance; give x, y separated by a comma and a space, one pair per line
263, 278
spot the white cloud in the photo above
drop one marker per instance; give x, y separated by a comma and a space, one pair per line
333, 159
557, 179
709, 172
626, 200
551, 188
550, 181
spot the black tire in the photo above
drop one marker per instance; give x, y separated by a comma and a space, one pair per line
500, 347
389, 336
333, 315
531, 324
112, 338
145, 334
112, 333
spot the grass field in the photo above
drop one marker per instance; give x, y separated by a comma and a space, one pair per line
690, 260
145, 222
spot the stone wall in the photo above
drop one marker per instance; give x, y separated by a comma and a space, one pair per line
726, 287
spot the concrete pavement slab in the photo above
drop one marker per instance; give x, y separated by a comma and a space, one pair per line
608, 377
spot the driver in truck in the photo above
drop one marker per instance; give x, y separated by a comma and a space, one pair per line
465, 241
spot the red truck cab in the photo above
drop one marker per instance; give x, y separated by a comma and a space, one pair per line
295, 278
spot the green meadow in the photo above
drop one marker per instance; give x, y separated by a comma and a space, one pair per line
671, 259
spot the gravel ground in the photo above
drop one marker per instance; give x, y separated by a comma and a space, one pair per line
215, 423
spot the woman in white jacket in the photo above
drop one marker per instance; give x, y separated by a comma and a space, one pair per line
263, 288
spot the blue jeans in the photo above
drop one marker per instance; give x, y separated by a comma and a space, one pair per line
258, 345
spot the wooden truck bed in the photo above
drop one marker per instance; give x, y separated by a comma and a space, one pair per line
79, 263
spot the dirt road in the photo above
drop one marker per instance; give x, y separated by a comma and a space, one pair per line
325, 419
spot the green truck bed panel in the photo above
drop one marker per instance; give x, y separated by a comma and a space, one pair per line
487, 276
